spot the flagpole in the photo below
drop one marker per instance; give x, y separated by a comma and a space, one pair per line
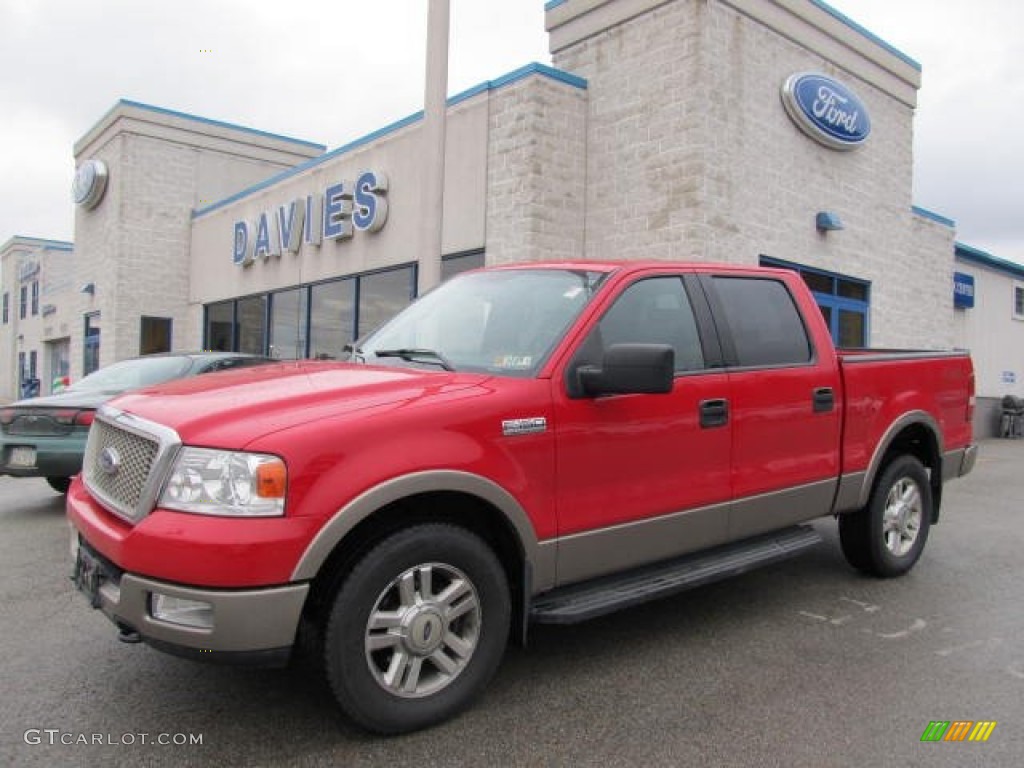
434, 116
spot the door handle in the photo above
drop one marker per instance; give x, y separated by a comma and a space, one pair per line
824, 400
714, 413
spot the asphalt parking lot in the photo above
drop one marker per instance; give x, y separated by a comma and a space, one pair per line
806, 663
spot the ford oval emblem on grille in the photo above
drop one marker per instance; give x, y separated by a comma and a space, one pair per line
110, 460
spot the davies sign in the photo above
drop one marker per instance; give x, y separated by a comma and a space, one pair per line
826, 110
343, 209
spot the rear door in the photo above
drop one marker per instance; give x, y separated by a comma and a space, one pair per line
785, 401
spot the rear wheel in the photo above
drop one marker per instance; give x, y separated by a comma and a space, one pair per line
886, 538
417, 629
59, 484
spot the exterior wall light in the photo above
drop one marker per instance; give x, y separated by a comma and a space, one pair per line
89, 288
827, 221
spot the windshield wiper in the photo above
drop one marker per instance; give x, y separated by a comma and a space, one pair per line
417, 356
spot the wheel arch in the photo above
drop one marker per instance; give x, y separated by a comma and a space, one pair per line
916, 434
459, 498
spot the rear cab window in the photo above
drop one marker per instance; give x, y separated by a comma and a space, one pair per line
764, 323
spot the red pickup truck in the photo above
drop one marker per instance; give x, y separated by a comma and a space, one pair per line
536, 443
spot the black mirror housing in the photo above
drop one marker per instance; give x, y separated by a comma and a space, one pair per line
630, 369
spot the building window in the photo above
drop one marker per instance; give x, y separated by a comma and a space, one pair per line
1018, 301
91, 357
288, 323
7, 308
23, 307
460, 262
383, 295
35, 297
252, 325
155, 335
220, 325
844, 301
332, 318
311, 320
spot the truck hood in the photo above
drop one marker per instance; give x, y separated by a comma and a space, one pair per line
233, 408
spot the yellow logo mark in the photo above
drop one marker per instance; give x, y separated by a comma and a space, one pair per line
982, 730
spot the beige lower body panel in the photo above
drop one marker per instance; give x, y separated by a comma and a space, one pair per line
617, 548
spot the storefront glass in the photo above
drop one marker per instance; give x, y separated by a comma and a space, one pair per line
91, 359
220, 321
252, 318
288, 324
332, 320
330, 314
453, 265
382, 295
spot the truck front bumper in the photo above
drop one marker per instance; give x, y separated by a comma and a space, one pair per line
234, 626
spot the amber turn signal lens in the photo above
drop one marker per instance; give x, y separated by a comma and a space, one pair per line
271, 478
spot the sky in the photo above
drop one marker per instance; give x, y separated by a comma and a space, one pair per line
331, 71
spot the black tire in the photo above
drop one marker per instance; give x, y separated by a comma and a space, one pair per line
442, 663
887, 537
59, 484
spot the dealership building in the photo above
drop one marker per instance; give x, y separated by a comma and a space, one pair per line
774, 132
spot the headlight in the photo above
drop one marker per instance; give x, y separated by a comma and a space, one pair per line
212, 482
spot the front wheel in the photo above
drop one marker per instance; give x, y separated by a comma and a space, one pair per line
417, 629
886, 538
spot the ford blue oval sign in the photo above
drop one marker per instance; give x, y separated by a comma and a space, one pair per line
826, 110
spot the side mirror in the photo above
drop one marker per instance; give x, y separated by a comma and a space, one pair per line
630, 369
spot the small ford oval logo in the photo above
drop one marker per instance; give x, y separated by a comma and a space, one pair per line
826, 110
110, 460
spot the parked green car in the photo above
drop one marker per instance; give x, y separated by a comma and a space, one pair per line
45, 436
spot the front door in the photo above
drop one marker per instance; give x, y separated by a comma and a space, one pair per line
640, 478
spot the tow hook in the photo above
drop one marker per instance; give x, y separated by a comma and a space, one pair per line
128, 635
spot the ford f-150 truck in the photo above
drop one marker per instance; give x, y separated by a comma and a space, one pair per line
536, 443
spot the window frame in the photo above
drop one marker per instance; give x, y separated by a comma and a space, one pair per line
1017, 301
832, 301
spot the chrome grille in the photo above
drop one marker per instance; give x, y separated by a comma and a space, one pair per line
122, 465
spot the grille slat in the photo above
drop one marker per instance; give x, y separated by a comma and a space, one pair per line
117, 467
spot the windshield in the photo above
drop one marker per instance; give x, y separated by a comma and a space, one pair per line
131, 374
500, 321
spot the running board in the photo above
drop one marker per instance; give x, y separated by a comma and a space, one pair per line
580, 602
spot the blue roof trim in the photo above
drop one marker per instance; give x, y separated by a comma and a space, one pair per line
924, 212
867, 33
968, 253
489, 85
53, 245
218, 123
551, 4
